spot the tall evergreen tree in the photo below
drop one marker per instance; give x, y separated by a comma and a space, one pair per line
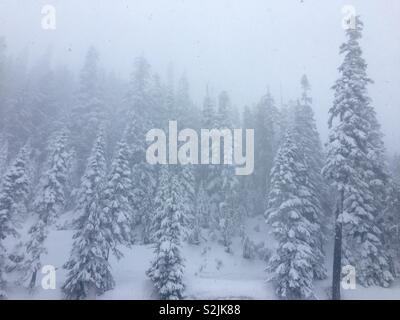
117, 199
354, 166
13, 194
308, 137
315, 198
292, 266
167, 268
265, 143
89, 272
48, 204
143, 175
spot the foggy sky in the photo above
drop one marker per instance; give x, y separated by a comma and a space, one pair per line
240, 46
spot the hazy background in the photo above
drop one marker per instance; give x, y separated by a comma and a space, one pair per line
241, 46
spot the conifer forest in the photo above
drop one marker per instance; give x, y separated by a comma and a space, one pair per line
183, 149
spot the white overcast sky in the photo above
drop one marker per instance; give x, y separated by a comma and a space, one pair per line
241, 46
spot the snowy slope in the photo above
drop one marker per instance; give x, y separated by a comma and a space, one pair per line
210, 272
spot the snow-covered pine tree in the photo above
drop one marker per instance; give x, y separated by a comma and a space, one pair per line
49, 202
13, 194
167, 268
291, 268
265, 143
355, 169
88, 271
117, 200
143, 175
316, 204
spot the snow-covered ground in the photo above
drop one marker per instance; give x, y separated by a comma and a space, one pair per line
211, 273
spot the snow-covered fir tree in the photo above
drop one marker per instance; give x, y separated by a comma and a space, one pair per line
355, 168
48, 204
292, 267
88, 271
265, 143
117, 199
315, 197
308, 137
143, 175
167, 268
13, 195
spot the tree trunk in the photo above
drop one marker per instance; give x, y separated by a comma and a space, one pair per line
337, 252
33, 280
